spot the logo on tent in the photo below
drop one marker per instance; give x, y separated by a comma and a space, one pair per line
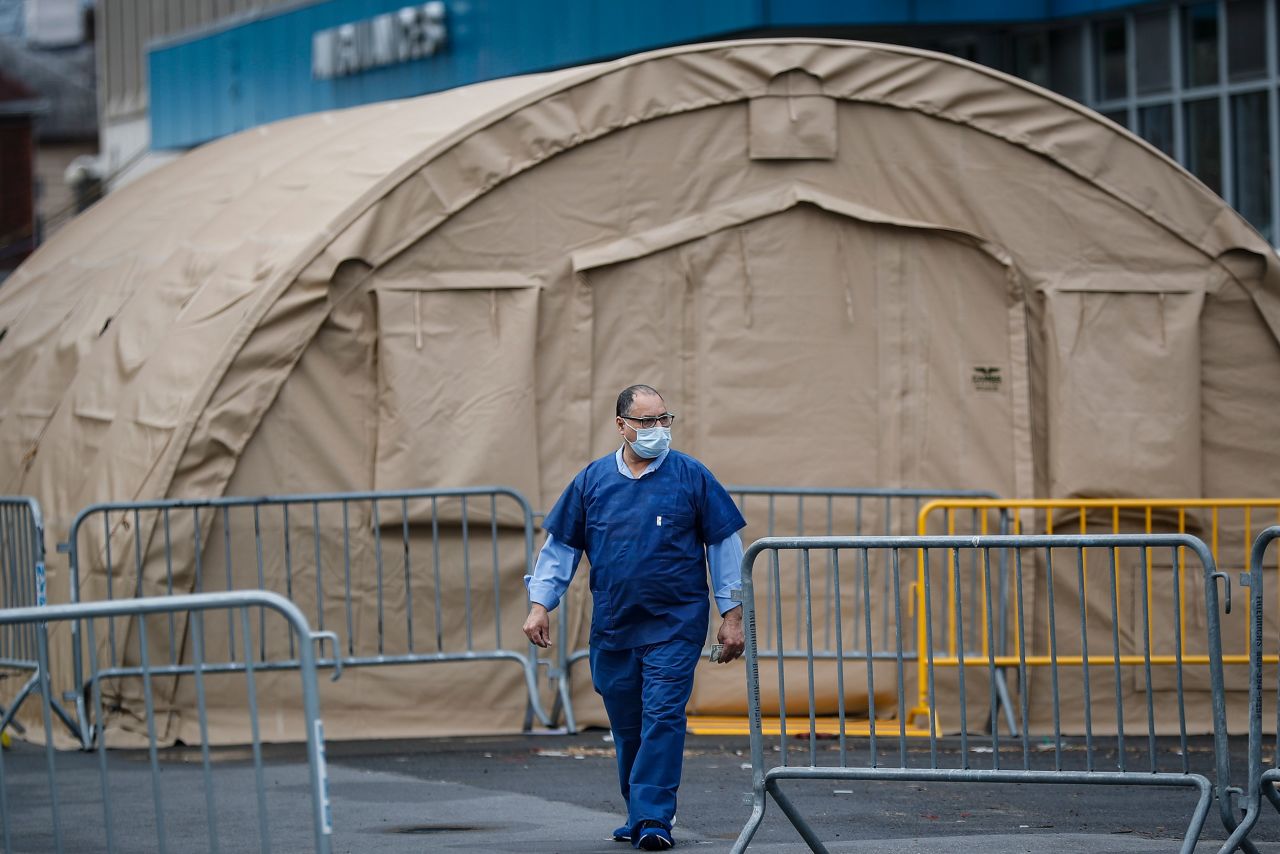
986, 379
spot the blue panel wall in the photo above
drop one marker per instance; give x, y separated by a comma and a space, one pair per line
259, 70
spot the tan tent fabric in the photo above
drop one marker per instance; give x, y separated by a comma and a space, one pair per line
812, 246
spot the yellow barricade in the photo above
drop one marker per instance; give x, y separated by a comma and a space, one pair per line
1227, 525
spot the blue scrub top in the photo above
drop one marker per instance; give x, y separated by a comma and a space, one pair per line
646, 539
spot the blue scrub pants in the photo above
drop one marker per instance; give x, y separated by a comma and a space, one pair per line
645, 692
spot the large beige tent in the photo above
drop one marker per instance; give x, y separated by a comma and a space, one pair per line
845, 264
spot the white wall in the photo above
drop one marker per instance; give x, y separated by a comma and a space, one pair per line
55, 23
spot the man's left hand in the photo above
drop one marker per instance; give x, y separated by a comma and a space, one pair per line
731, 636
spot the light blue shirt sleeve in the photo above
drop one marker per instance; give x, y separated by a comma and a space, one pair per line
725, 561
554, 571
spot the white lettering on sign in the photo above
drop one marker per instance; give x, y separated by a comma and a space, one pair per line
414, 32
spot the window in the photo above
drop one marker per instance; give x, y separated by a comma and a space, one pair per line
1120, 117
1031, 57
1200, 44
1151, 44
1252, 160
1246, 40
1109, 54
1066, 73
1155, 125
1204, 141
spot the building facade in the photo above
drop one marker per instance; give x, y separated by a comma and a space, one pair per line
1197, 80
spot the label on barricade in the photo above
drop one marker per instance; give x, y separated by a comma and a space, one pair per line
322, 778
41, 598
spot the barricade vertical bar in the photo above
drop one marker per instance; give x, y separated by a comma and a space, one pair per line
991, 661
152, 754
137, 553
497, 582
377, 551
777, 568
1146, 657
262, 581
751, 655
807, 604
834, 559
8, 574
227, 561
466, 570
782, 681
1115, 657
898, 659
5, 835
96, 688
346, 574
288, 564
964, 702
111, 624
1053, 662
251, 689
1084, 654
871, 673
408, 573
42, 649
315, 527
226, 550
926, 619
435, 553
1023, 687
829, 611
197, 644
1177, 652
1260, 782
168, 582
800, 622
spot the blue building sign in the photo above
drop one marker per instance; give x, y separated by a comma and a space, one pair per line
339, 53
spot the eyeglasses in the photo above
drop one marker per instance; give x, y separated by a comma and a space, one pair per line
664, 419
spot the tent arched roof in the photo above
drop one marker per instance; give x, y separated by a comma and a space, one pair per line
167, 316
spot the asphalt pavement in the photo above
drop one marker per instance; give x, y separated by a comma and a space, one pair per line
558, 793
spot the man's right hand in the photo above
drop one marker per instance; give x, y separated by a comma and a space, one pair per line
538, 626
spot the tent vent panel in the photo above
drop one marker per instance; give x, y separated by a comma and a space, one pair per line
794, 121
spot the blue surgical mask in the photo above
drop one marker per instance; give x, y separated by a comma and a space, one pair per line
651, 442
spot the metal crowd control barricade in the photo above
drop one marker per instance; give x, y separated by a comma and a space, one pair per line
22, 584
1079, 666
1261, 781
801, 511
184, 804
407, 555
1226, 525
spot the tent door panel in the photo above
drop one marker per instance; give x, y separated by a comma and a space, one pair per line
810, 348
1124, 378
455, 388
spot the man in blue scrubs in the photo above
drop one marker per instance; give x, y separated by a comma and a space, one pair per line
651, 520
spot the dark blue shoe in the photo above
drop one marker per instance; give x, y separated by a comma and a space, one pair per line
622, 834
652, 836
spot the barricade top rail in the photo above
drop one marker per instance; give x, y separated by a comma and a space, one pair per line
997, 503
301, 498
857, 492
31, 503
160, 605
1114, 504
992, 541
